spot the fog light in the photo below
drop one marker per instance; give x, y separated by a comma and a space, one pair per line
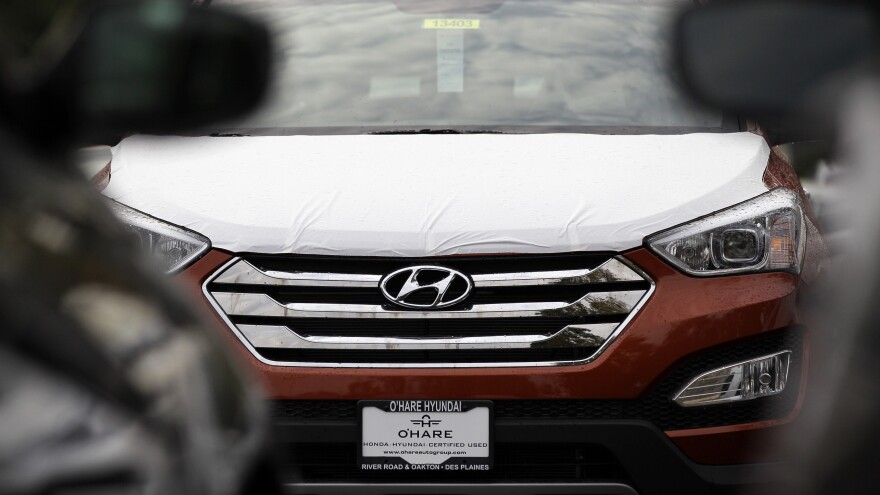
759, 377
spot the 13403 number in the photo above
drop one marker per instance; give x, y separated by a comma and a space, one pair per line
451, 24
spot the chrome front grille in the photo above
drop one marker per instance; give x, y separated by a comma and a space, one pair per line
523, 311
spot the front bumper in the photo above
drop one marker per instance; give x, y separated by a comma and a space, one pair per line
537, 456
551, 443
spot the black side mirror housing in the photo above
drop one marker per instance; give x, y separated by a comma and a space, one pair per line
160, 67
148, 66
765, 59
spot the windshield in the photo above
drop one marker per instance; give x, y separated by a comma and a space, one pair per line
362, 66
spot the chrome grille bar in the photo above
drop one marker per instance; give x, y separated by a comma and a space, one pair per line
245, 273
610, 271
596, 303
282, 337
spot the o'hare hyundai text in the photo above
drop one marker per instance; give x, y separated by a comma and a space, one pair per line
477, 246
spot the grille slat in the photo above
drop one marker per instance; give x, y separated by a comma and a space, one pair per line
424, 328
524, 310
344, 356
245, 273
593, 303
371, 296
472, 265
282, 337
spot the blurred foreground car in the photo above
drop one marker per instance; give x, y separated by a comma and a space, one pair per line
476, 246
109, 381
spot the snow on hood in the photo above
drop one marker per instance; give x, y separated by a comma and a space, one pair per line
426, 195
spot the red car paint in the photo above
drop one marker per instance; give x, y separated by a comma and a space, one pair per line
685, 314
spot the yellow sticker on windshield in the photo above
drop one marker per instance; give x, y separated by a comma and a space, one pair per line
451, 24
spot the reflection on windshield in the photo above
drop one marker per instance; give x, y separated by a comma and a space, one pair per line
557, 63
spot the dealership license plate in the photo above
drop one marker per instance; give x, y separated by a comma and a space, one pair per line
425, 435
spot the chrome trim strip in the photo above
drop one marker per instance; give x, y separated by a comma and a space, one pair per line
610, 271
594, 303
713, 385
620, 328
724, 392
246, 273
282, 337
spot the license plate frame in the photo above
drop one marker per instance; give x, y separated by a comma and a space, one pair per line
465, 442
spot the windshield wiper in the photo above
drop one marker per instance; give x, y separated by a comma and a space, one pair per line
435, 131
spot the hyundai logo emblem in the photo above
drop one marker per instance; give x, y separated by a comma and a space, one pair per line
426, 287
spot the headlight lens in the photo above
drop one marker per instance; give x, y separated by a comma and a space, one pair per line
172, 246
762, 234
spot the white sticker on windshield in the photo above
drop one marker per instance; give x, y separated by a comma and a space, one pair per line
450, 61
527, 86
394, 87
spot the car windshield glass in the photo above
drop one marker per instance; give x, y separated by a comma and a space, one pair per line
398, 64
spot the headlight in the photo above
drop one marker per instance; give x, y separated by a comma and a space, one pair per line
762, 234
174, 247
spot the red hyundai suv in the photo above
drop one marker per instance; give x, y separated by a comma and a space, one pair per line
487, 247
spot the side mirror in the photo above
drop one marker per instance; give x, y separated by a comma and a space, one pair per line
764, 59
161, 67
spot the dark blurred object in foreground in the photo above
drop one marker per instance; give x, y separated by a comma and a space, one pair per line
815, 77
151, 66
782, 64
108, 381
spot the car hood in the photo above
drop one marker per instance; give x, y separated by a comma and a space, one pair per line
426, 195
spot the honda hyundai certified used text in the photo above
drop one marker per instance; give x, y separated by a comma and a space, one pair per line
488, 246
